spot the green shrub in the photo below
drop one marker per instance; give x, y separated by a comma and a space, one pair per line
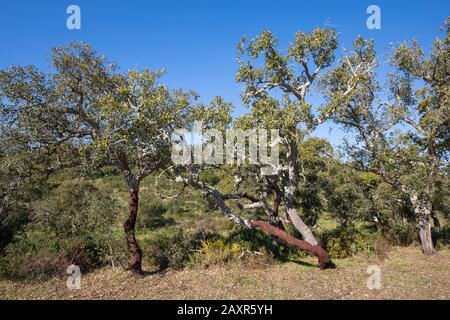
11, 223
402, 234
173, 248
260, 241
442, 238
168, 249
218, 252
210, 177
381, 246
39, 255
151, 215
347, 241
74, 224
77, 208
251, 247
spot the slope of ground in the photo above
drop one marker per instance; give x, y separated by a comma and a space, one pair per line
405, 274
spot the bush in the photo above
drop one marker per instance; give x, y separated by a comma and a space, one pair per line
38, 255
210, 177
381, 246
347, 241
250, 247
151, 215
77, 208
402, 234
442, 238
168, 249
72, 225
11, 223
218, 252
260, 241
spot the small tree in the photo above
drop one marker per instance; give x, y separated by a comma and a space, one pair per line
33, 142
88, 113
250, 186
410, 159
136, 121
292, 75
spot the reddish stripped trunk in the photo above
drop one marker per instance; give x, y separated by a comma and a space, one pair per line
323, 257
136, 253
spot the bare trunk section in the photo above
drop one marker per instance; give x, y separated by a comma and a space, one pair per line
298, 223
129, 227
423, 210
289, 197
323, 257
425, 231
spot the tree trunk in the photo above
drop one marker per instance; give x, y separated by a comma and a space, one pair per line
298, 223
423, 209
377, 222
324, 260
289, 197
129, 227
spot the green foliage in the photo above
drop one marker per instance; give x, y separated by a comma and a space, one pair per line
210, 177
174, 248
151, 215
259, 241
88, 116
217, 252
346, 241
313, 178
442, 237
11, 224
38, 255
250, 247
77, 208
73, 224
402, 234
20, 184
168, 248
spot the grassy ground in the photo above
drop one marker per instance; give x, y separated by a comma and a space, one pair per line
406, 274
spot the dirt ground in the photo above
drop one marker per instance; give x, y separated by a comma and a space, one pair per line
405, 274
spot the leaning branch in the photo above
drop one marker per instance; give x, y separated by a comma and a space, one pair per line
323, 258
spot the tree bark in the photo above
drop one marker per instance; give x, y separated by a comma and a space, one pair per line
289, 197
423, 210
323, 257
298, 223
135, 264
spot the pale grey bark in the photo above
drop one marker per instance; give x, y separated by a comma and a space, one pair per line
289, 196
423, 210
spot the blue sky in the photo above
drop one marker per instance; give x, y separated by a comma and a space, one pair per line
195, 40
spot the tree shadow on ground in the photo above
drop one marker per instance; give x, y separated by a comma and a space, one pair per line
147, 273
303, 263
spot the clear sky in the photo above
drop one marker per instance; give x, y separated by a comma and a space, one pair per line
195, 40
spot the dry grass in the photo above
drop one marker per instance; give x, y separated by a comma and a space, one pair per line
406, 274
